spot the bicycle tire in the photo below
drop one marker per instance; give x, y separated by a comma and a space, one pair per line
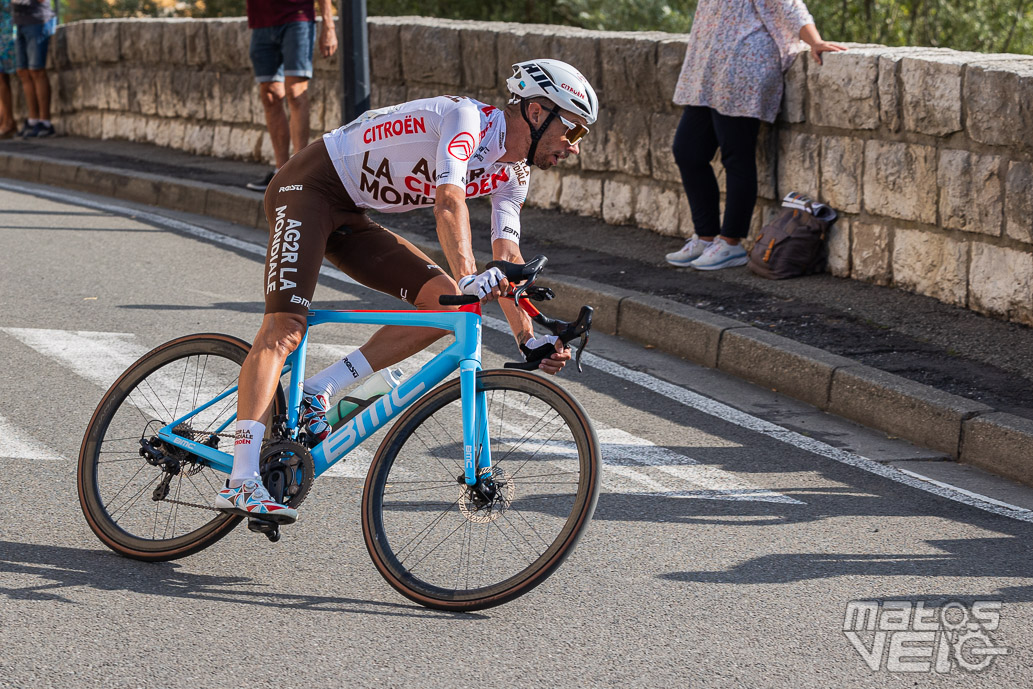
191, 369
541, 524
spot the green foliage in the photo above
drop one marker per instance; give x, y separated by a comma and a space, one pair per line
989, 26
979, 25
673, 16
73, 10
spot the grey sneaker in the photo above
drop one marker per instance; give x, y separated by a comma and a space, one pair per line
721, 255
692, 249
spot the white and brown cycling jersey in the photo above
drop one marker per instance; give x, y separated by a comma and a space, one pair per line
392, 159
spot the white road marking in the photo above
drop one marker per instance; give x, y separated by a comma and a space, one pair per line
98, 357
640, 461
671, 391
16, 444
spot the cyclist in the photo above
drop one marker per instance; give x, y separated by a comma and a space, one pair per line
430, 152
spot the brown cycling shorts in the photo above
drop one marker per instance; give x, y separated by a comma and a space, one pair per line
311, 216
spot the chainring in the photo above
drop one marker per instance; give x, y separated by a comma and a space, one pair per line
287, 471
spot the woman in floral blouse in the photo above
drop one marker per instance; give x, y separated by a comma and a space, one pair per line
7, 123
730, 81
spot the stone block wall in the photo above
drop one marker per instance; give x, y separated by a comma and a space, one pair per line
927, 153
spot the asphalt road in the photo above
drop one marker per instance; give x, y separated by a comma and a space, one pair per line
734, 529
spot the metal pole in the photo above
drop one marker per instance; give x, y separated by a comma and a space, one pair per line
354, 40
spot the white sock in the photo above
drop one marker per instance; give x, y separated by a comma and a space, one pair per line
45, 123
246, 450
330, 381
32, 122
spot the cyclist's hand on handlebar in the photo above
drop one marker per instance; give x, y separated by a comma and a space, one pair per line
549, 351
488, 286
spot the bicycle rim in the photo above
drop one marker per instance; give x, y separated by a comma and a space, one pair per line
149, 512
440, 548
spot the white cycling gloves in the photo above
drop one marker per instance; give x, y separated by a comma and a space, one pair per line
538, 348
536, 342
481, 285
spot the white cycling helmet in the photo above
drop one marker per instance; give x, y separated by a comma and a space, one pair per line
557, 81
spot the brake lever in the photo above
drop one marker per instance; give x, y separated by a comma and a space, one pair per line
566, 332
579, 328
539, 293
580, 348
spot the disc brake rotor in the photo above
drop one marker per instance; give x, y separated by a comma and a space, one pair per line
480, 512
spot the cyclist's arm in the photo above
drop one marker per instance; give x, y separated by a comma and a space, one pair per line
519, 322
453, 225
458, 137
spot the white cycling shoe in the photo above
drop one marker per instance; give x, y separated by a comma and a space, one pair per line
251, 499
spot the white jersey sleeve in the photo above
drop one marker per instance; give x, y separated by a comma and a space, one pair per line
459, 137
506, 202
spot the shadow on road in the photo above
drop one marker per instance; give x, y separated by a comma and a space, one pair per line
238, 306
975, 558
59, 568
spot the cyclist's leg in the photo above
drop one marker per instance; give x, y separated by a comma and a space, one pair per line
299, 223
381, 260
394, 343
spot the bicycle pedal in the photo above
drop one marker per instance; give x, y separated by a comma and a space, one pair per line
260, 525
270, 529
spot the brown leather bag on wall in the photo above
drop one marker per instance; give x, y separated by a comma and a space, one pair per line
793, 244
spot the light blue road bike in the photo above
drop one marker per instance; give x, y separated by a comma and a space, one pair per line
476, 495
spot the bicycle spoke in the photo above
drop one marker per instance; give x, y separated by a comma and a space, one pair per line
493, 537
118, 483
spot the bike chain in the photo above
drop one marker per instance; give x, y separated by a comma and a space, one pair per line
195, 435
196, 468
191, 504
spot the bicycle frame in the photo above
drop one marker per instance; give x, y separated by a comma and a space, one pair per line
463, 354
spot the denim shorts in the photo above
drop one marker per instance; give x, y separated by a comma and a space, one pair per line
282, 50
32, 41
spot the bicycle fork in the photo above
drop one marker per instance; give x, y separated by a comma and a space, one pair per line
476, 448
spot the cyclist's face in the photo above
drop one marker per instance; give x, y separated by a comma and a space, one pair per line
553, 146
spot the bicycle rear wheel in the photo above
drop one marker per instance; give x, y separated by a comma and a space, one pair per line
437, 544
162, 509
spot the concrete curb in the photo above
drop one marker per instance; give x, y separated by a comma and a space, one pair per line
964, 430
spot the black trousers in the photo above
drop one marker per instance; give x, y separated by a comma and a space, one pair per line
700, 133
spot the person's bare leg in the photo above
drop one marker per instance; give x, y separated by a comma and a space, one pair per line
244, 494
298, 103
393, 343
42, 87
271, 93
7, 122
279, 335
29, 88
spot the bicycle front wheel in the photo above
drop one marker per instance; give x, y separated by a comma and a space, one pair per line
162, 508
442, 546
